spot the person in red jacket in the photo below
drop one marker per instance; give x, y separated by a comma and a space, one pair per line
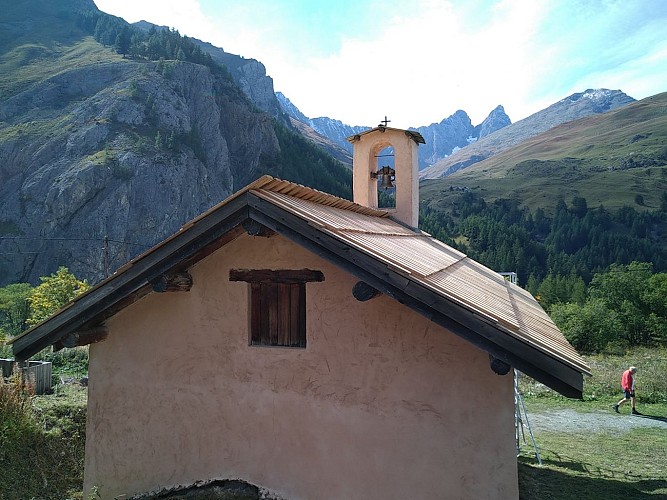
628, 386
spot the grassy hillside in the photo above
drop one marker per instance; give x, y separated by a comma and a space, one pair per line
44, 45
608, 159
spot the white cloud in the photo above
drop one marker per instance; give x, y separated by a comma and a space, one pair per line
421, 68
420, 61
184, 15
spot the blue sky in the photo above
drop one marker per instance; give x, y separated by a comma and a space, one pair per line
419, 61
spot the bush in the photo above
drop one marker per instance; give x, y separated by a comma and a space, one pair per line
605, 383
41, 450
15, 416
67, 363
5, 350
589, 327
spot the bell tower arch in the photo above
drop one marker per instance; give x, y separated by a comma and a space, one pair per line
404, 175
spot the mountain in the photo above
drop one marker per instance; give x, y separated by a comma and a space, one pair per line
579, 105
562, 205
442, 139
113, 136
249, 74
616, 159
290, 108
456, 132
496, 120
329, 134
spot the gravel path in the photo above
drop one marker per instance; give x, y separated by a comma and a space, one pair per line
598, 421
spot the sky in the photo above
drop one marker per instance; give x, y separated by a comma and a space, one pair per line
419, 61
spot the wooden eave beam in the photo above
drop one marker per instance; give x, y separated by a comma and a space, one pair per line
80, 338
172, 282
452, 316
362, 291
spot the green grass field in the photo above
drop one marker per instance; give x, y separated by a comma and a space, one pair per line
606, 463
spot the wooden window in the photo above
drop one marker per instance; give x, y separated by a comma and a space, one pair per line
277, 304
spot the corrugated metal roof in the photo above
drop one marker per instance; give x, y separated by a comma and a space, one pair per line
435, 265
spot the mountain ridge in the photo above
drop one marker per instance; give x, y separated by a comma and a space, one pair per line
442, 138
609, 158
572, 107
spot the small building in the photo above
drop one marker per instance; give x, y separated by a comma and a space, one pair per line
312, 346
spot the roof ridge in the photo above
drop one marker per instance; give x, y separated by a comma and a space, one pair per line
289, 188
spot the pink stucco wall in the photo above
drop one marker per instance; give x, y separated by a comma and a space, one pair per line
381, 404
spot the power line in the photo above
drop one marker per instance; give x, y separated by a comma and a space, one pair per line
107, 256
33, 238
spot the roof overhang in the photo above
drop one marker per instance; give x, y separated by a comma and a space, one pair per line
412, 134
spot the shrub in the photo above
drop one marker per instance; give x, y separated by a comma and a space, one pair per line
589, 327
15, 416
41, 450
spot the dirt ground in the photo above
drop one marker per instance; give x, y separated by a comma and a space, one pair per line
568, 420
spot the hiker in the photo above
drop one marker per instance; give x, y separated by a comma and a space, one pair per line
628, 386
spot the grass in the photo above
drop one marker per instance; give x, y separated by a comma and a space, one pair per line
605, 383
600, 465
608, 159
52, 42
604, 465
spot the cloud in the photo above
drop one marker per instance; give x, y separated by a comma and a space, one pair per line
420, 61
184, 15
422, 66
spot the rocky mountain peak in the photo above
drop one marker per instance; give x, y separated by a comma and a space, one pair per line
442, 139
289, 108
496, 120
599, 100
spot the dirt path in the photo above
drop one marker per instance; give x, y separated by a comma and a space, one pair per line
568, 420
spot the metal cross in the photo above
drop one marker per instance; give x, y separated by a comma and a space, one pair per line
385, 121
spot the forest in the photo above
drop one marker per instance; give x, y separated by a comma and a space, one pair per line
599, 273
133, 42
575, 242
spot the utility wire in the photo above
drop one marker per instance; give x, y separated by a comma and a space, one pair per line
71, 239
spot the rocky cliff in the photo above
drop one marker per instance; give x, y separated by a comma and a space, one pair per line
124, 150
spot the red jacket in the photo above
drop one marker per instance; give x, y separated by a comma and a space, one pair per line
627, 380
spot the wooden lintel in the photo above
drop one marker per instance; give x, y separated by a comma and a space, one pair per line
362, 291
84, 337
175, 282
275, 276
254, 228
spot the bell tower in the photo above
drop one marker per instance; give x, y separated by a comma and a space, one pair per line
404, 175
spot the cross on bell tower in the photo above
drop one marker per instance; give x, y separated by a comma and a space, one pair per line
383, 123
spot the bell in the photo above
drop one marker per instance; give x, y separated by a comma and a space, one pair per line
386, 181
